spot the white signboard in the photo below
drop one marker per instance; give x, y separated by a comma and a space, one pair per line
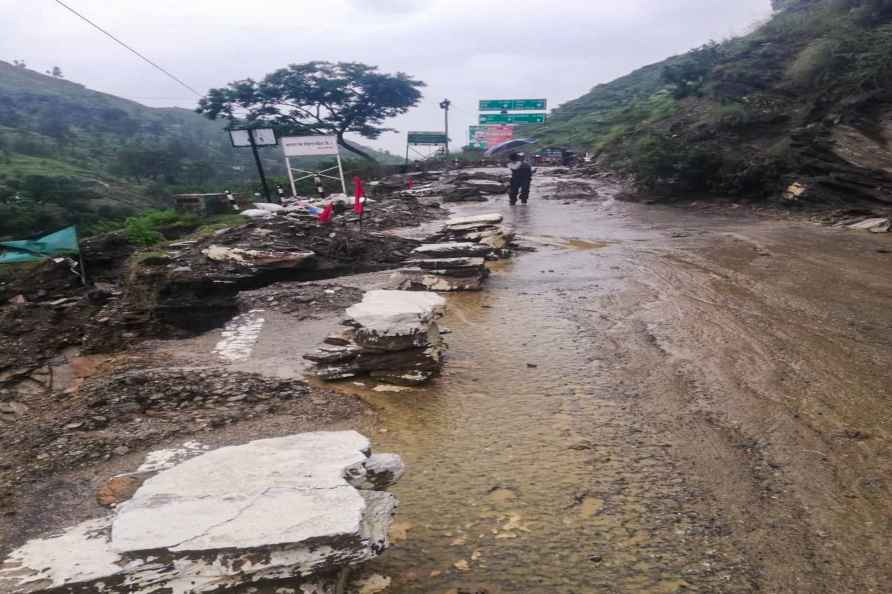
262, 137
309, 146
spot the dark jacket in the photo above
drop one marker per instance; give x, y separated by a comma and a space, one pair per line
522, 175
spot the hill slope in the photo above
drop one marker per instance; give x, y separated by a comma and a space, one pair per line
71, 155
806, 98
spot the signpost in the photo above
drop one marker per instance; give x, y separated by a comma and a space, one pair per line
512, 118
312, 146
254, 138
425, 139
513, 104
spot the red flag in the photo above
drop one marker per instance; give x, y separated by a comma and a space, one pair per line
327, 213
409, 183
358, 205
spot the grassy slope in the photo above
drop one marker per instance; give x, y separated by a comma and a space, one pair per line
763, 110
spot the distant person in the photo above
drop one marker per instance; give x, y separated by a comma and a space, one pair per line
280, 192
521, 178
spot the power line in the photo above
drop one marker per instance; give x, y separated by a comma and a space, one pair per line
118, 41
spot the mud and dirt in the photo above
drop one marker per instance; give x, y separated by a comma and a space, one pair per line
646, 400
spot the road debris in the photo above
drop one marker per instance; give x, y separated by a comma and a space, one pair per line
393, 337
214, 522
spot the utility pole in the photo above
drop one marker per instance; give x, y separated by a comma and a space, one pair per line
259, 166
444, 105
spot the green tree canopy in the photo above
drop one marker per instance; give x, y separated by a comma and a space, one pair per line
318, 98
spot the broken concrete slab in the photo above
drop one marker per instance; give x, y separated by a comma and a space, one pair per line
394, 332
450, 249
446, 263
874, 225
416, 279
486, 219
395, 311
268, 510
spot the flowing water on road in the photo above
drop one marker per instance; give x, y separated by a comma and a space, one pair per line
529, 472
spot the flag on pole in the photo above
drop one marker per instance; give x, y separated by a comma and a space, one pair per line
60, 243
327, 213
359, 192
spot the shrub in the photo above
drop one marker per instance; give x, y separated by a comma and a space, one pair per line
146, 229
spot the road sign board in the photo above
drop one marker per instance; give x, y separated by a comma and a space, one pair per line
427, 138
513, 104
262, 137
487, 136
309, 146
512, 118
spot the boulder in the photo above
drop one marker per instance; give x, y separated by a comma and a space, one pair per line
269, 206
273, 509
381, 471
257, 213
259, 258
119, 489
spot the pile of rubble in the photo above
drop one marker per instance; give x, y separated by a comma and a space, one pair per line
392, 336
456, 261
300, 508
459, 186
485, 230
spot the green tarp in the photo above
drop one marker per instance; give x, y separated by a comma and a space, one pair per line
60, 243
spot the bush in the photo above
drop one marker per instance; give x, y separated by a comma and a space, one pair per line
658, 159
146, 229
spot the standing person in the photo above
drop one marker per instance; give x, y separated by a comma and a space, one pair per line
521, 177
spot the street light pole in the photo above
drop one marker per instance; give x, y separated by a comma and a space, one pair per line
444, 105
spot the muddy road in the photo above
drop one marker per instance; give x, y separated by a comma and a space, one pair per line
650, 400
654, 401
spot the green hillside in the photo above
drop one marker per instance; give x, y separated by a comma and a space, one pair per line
71, 155
806, 97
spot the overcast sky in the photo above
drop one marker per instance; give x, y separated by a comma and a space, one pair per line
463, 49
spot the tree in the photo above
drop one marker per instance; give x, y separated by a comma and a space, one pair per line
318, 98
56, 72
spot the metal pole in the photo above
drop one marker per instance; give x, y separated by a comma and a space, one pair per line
407, 156
259, 165
291, 177
341, 171
444, 105
446, 115
80, 255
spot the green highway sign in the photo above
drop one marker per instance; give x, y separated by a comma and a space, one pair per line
512, 118
513, 105
427, 138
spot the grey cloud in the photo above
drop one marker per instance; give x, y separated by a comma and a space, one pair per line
463, 49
